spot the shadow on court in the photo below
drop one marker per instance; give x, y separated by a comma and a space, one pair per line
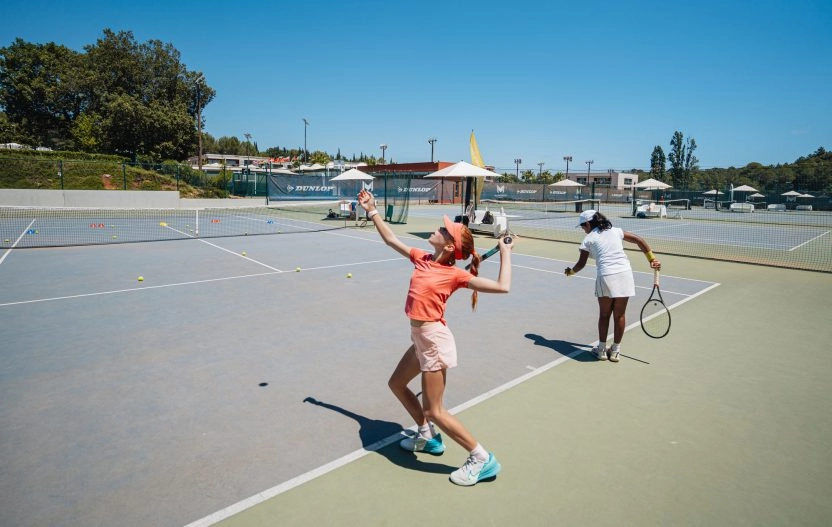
374, 430
565, 348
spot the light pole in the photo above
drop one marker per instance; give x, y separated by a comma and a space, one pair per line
383, 148
517, 162
432, 142
567, 159
588, 164
305, 156
540, 171
248, 147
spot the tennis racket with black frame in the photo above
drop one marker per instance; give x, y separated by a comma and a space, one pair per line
507, 239
655, 317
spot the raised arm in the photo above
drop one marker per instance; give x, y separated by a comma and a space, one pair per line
503, 282
645, 248
368, 203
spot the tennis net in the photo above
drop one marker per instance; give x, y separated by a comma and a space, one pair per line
537, 210
65, 226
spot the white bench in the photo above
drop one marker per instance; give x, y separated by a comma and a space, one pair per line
653, 210
803, 207
777, 207
742, 207
498, 227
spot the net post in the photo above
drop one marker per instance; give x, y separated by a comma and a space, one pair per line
196, 225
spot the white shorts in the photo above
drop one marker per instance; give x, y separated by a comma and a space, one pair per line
435, 346
616, 285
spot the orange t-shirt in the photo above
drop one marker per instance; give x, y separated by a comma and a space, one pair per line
431, 284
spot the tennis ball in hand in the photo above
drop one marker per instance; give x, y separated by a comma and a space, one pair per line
141, 279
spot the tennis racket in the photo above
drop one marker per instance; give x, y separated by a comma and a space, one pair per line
495, 250
655, 317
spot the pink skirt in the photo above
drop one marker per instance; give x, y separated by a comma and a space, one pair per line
435, 346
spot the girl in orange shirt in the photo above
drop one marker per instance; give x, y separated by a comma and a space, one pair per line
433, 350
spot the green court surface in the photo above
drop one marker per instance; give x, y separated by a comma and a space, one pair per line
724, 422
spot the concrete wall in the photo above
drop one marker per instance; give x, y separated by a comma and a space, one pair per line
119, 199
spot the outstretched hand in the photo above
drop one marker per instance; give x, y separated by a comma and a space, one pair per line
366, 200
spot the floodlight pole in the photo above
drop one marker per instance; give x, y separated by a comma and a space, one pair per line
567, 159
517, 162
432, 142
199, 80
383, 148
540, 171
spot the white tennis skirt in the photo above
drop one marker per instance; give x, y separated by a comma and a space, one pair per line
616, 285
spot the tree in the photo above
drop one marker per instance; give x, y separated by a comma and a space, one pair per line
682, 160
658, 162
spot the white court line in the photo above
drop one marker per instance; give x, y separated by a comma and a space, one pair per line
290, 484
798, 246
22, 234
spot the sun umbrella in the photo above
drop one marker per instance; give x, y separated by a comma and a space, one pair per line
745, 188
756, 195
712, 192
353, 174
566, 183
790, 193
652, 184
805, 196
461, 171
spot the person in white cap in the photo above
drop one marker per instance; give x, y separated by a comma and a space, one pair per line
614, 279
432, 351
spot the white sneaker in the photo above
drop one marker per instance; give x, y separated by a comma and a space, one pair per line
614, 352
474, 471
600, 351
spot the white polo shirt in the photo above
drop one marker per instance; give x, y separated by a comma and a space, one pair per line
607, 249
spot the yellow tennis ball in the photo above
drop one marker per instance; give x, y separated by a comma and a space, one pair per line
349, 275
141, 279
244, 253
114, 236
297, 269
163, 224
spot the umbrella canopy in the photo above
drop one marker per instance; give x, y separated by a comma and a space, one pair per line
745, 188
461, 171
712, 192
652, 184
756, 195
791, 193
353, 174
805, 196
566, 183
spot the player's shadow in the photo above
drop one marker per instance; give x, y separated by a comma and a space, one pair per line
565, 348
373, 431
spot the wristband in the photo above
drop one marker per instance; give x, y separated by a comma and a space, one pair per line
650, 257
372, 213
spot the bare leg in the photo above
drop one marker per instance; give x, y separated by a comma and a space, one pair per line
407, 370
605, 306
619, 310
433, 390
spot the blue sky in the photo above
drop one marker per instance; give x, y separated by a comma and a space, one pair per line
599, 80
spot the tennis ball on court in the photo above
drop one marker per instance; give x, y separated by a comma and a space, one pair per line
244, 253
141, 279
37, 232
163, 224
114, 236
297, 269
349, 275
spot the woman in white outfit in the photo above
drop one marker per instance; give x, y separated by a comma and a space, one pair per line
614, 281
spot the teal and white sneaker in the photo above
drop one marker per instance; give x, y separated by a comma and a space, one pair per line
418, 443
600, 351
473, 471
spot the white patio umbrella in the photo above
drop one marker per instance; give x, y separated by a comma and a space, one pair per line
712, 192
805, 196
462, 171
745, 188
566, 183
353, 174
652, 184
756, 195
791, 193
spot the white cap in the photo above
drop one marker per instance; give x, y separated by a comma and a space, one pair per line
585, 217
